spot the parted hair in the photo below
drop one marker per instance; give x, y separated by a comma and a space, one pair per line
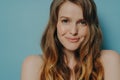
88, 65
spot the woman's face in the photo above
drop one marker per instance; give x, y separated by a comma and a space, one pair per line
72, 29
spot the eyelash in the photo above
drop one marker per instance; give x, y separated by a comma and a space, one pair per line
65, 21
81, 22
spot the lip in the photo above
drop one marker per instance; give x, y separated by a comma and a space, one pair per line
73, 40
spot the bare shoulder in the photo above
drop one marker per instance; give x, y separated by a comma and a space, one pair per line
111, 63
31, 67
33, 59
110, 56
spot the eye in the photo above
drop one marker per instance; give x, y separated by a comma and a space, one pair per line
82, 22
65, 21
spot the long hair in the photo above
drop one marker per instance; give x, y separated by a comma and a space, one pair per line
88, 65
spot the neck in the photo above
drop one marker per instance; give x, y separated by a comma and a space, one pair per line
70, 58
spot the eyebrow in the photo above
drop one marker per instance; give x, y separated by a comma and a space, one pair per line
70, 18
64, 17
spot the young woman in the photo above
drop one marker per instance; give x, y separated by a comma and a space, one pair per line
71, 46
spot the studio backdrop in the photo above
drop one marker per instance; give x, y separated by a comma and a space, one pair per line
22, 23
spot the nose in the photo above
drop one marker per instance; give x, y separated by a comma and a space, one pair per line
73, 30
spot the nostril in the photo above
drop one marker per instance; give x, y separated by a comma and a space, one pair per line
74, 31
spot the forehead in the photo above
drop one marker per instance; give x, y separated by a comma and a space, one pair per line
70, 9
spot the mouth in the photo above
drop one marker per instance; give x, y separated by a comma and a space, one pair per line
72, 40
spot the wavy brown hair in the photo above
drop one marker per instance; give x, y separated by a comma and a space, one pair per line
88, 65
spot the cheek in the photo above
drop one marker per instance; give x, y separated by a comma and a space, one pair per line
61, 29
84, 31
87, 33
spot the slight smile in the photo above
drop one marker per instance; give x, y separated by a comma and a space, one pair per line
73, 40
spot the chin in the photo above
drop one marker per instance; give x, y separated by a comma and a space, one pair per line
71, 48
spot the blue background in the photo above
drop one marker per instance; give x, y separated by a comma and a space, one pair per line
22, 23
